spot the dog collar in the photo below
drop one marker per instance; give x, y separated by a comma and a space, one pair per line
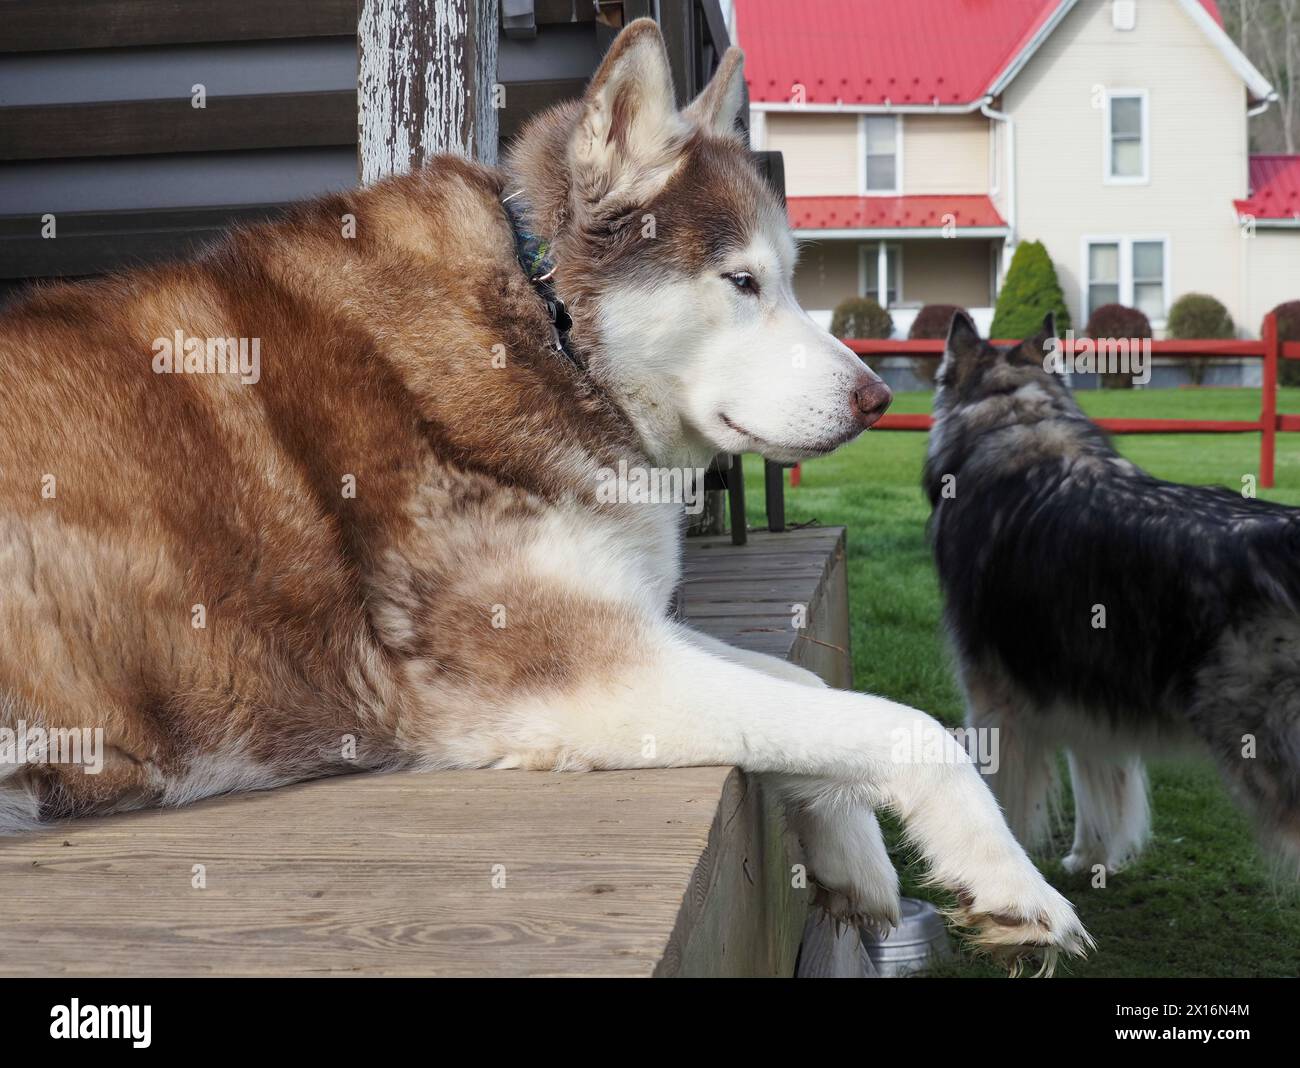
534, 253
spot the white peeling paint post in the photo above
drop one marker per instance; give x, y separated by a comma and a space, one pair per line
427, 72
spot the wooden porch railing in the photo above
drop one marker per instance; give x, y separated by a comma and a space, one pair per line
1268, 348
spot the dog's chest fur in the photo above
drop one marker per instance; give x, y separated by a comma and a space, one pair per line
394, 529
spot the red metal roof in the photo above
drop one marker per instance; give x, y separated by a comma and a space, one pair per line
877, 213
1275, 185
878, 51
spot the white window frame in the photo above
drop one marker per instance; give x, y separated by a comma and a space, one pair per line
897, 191
1125, 243
1107, 145
878, 250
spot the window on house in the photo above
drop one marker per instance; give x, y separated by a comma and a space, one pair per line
1128, 271
1126, 149
881, 147
1149, 278
1103, 276
872, 263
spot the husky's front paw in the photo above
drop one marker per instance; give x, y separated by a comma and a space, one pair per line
1038, 926
873, 908
854, 882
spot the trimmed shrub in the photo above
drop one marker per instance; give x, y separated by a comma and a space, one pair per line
1198, 315
1288, 329
1030, 291
861, 317
931, 323
1117, 322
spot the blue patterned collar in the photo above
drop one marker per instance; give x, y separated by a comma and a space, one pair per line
534, 253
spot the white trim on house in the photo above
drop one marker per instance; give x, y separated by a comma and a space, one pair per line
1107, 177
995, 170
901, 232
1125, 281
897, 190
1259, 86
1019, 60
880, 250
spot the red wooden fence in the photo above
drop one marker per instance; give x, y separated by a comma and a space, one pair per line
1266, 348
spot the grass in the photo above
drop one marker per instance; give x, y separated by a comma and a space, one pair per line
1201, 901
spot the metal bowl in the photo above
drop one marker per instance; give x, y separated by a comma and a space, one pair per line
914, 945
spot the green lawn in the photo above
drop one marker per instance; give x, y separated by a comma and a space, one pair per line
1201, 902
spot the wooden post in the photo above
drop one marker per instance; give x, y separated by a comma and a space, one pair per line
1268, 404
426, 84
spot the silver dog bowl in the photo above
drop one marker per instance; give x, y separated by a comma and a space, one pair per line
913, 945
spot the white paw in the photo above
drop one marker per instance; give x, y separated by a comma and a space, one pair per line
875, 910
854, 889
1075, 863
1033, 922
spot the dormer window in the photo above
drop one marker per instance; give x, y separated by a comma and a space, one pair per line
1126, 147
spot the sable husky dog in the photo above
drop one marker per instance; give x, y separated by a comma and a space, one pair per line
396, 533
1095, 607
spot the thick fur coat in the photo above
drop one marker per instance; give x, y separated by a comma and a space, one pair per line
391, 550
1095, 607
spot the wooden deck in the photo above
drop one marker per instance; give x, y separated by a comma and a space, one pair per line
640, 873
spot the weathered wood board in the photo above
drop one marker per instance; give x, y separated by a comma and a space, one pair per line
637, 873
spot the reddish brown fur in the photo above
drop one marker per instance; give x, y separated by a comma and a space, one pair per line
327, 616
181, 489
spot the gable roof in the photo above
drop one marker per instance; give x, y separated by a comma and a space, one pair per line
918, 54
1275, 191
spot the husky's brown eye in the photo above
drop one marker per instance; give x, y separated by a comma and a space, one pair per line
744, 281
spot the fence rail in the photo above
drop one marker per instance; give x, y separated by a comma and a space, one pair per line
1268, 348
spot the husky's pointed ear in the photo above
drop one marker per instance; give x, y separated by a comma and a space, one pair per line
629, 135
963, 337
717, 109
963, 353
1032, 349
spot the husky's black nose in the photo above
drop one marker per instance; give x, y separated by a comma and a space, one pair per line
870, 399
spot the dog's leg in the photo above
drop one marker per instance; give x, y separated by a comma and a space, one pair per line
1112, 815
855, 880
1025, 781
670, 704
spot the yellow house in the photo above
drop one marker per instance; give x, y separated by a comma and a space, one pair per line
924, 140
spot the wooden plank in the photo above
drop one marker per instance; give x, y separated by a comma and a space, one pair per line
138, 127
60, 24
96, 242
427, 73
375, 875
